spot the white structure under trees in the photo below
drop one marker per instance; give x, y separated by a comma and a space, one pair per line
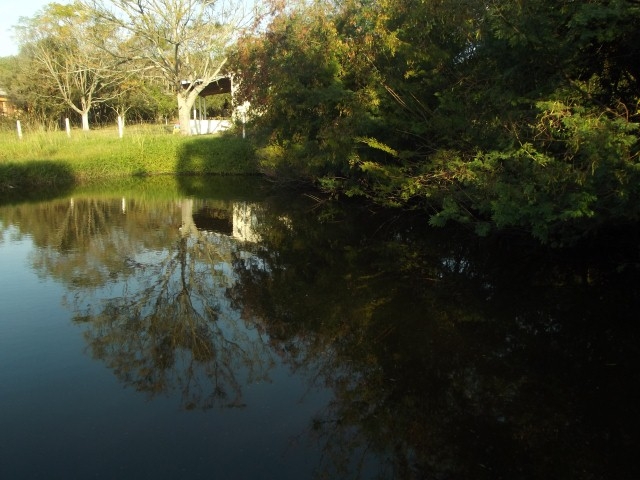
179, 41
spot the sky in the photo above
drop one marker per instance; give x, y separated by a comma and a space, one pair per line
10, 13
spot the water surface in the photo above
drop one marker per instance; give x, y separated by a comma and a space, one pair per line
214, 329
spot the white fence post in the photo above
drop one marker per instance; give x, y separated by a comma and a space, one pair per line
19, 127
67, 127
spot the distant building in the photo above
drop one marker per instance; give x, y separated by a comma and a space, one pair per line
6, 107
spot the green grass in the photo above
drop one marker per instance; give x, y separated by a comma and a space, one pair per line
50, 159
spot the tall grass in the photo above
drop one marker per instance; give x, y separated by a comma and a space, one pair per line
46, 158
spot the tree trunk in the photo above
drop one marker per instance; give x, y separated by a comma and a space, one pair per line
184, 113
85, 120
186, 101
85, 106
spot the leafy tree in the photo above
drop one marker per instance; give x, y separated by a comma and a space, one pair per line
7, 65
313, 92
181, 42
35, 99
560, 120
500, 115
59, 41
140, 99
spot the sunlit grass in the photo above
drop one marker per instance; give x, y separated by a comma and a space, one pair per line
53, 157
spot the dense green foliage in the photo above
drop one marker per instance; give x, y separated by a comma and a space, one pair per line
509, 115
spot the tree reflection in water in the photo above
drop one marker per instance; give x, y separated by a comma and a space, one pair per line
149, 288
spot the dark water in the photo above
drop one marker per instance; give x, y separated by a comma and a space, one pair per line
212, 329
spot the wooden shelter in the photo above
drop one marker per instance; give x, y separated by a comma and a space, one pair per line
200, 123
6, 106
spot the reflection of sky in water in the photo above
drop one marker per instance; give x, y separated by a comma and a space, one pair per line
30, 304
65, 415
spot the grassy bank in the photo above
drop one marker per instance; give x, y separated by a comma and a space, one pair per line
50, 159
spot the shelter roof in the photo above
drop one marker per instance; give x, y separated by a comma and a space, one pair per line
222, 85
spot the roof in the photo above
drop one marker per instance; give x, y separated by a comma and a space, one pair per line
222, 85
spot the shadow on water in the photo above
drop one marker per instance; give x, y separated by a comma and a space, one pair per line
229, 187
34, 180
455, 357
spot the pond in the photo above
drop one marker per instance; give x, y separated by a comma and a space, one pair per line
211, 328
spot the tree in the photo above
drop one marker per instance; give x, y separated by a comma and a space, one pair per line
36, 100
500, 115
305, 93
183, 42
60, 41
